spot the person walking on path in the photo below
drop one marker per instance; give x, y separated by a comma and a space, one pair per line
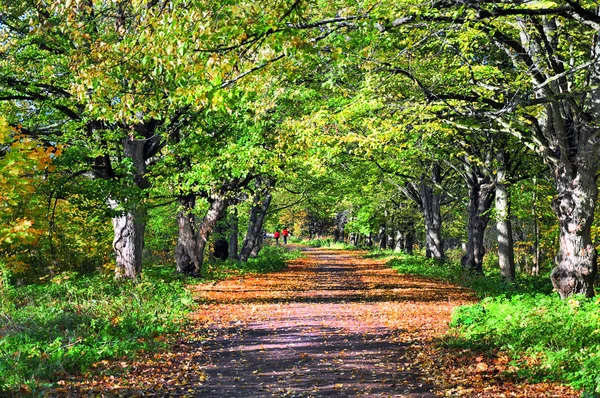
276, 235
285, 234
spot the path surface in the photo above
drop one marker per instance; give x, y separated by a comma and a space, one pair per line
332, 324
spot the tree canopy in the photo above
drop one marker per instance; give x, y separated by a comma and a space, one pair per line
393, 123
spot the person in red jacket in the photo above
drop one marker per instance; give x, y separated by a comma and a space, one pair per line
276, 235
285, 234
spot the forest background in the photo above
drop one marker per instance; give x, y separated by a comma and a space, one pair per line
137, 133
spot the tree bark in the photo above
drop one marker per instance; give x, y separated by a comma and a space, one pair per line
399, 246
432, 216
253, 237
391, 239
576, 262
341, 219
506, 254
382, 237
369, 239
535, 269
481, 195
409, 241
217, 207
129, 227
233, 234
186, 251
128, 242
221, 245
567, 136
258, 245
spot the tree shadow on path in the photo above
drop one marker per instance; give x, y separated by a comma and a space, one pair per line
331, 324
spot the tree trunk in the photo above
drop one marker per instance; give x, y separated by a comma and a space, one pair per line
233, 234
506, 254
186, 251
257, 246
368, 239
382, 237
391, 242
129, 227
341, 219
409, 241
215, 211
399, 247
430, 205
567, 139
128, 242
535, 269
481, 195
574, 205
254, 234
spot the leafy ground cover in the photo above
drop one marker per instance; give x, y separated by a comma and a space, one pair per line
516, 330
272, 258
332, 323
328, 243
50, 330
77, 324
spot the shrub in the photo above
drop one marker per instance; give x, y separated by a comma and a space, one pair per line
485, 286
61, 327
559, 340
271, 258
563, 336
331, 244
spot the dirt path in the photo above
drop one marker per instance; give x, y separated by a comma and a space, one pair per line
332, 324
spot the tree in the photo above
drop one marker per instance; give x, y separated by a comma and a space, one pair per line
547, 56
117, 79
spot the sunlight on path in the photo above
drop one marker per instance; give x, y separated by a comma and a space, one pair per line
332, 324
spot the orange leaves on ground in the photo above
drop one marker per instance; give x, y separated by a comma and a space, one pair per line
332, 323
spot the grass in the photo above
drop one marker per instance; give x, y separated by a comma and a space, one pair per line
271, 258
329, 243
61, 327
562, 337
548, 338
51, 330
490, 285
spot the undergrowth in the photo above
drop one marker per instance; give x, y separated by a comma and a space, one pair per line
329, 243
65, 325
50, 330
271, 258
548, 338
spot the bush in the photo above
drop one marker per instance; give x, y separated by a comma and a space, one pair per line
271, 258
563, 336
557, 340
50, 330
330, 244
426, 267
485, 286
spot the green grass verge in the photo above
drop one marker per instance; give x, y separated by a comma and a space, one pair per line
563, 337
549, 339
328, 243
490, 285
271, 258
62, 327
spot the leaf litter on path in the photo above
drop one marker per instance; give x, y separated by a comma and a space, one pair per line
331, 324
